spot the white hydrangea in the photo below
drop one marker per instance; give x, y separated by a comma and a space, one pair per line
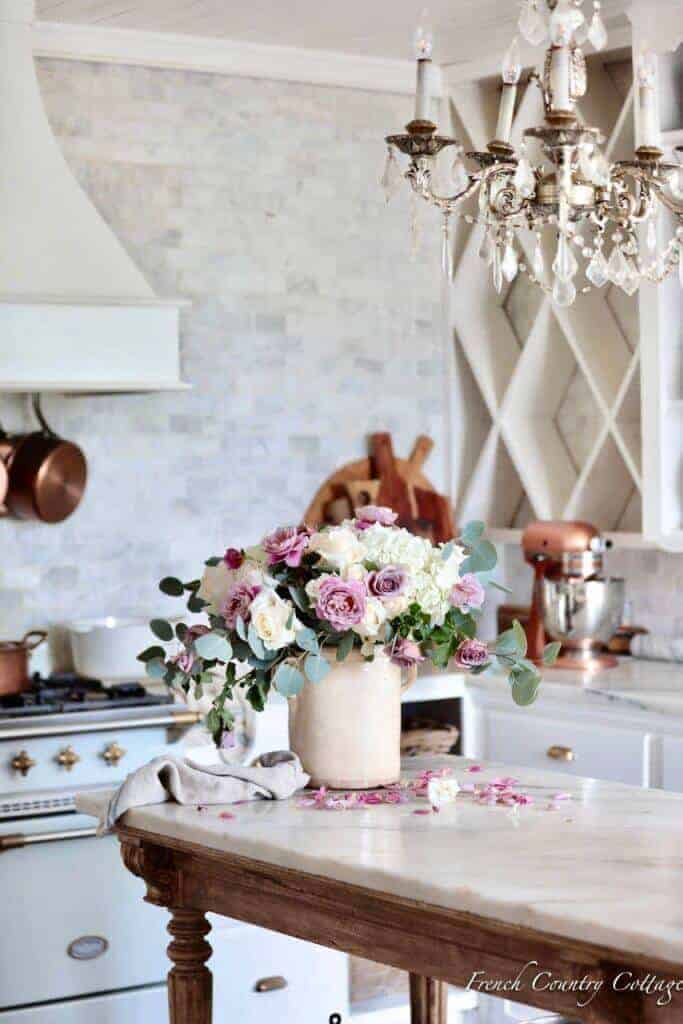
389, 546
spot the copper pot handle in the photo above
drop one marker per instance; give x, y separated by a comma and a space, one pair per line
34, 638
45, 426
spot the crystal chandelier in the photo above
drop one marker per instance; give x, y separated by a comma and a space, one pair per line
604, 212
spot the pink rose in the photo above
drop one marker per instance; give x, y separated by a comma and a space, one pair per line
184, 661
471, 654
388, 582
368, 515
238, 602
233, 558
405, 652
341, 602
286, 545
467, 593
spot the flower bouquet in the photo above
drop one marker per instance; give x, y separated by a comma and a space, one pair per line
283, 614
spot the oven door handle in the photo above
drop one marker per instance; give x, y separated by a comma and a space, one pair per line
18, 839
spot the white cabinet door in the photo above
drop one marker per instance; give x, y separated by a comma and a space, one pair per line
261, 976
562, 745
140, 1006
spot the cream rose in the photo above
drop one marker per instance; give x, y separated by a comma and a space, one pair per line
373, 620
270, 616
447, 572
338, 547
218, 580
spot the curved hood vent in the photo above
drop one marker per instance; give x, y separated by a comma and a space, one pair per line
75, 311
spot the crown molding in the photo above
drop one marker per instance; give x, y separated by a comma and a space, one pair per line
225, 57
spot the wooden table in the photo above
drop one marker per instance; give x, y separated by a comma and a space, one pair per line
581, 904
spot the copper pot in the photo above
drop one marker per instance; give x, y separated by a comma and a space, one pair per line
47, 475
14, 655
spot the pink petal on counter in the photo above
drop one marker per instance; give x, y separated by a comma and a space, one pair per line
226, 815
474, 768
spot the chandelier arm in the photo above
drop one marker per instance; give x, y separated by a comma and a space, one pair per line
448, 203
666, 200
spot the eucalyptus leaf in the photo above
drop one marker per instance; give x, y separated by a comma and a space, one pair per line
288, 680
241, 628
447, 550
196, 603
471, 534
213, 562
345, 646
172, 586
156, 668
300, 598
482, 558
524, 687
181, 631
213, 646
307, 640
506, 644
150, 653
520, 637
550, 652
316, 667
162, 629
255, 642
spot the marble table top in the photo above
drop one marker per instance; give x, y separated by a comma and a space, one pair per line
605, 866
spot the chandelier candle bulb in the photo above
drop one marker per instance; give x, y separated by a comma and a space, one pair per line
512, 70
559, 79
424, 42
647, 81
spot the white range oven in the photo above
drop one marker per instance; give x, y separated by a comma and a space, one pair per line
78, 944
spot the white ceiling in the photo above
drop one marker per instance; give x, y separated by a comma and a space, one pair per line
378, 28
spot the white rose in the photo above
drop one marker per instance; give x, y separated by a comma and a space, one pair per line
270, 616
218, 579
355, 572
312, 588
447, 571
373, 620
338, 547
442, 791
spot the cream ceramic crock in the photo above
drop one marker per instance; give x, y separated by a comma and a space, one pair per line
347, 729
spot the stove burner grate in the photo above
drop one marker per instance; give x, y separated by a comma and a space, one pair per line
65, 692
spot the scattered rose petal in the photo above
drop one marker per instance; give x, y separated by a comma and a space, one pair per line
474, 768
226, 815
422, 810
562, 796
200, 807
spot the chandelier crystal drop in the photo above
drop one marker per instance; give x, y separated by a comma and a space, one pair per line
599, 217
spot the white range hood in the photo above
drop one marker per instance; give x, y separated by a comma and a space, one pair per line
76, 314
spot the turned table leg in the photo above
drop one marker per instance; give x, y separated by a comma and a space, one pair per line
427, 1000
189, 980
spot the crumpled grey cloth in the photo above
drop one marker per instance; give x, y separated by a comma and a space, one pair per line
274, 776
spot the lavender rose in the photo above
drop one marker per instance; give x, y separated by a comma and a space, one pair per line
341, 602
368, 515
387, 583
471, 654
238, 602
233, 558
467, 593
286, 545
405, 652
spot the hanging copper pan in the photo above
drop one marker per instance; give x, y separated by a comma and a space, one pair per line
47, 475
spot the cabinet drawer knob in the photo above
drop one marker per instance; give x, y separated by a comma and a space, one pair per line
113, 753
67, 758
21, 762
561, 754
270, 984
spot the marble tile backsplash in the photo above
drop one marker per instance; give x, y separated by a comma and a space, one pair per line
309, 326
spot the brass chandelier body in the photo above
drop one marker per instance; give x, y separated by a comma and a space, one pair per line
591, 205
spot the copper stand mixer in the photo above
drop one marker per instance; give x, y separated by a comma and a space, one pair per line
571, 600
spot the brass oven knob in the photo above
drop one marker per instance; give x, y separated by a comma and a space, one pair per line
561, 754
21, 762
113, 753
67, 758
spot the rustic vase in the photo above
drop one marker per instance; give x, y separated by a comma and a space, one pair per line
347, 729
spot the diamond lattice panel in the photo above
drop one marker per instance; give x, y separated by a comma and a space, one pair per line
560, 386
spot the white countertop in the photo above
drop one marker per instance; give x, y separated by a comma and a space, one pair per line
605, 867
634, 684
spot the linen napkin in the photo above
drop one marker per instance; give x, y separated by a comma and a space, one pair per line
274, 776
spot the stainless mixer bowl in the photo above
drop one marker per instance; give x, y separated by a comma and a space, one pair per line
583, 613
